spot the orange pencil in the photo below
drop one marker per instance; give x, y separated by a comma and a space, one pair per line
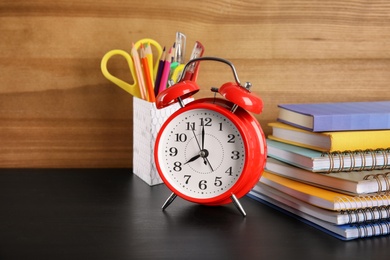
147, 75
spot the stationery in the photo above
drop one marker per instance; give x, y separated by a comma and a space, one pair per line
340, 116
344, 232
355, 182
328, 166
149, 57
150, 74
331, 141
180, 50
192, 71
159, 73
138, 70
317, 161
147, 76
321, 196
337, 217
165, 71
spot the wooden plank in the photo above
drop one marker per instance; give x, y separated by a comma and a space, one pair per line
57, 110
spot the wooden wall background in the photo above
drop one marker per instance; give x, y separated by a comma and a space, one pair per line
57, 110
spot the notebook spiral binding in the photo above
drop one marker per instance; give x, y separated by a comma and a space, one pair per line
364, 215
378, 177
373, 228
358, 156
374, 201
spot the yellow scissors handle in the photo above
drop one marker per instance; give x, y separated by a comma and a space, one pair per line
155, 45
133, 89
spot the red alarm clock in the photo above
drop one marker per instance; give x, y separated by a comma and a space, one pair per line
211, 151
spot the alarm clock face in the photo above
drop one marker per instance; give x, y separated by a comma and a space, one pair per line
201, 153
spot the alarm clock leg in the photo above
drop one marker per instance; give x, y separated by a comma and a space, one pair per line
170, 199
238, 205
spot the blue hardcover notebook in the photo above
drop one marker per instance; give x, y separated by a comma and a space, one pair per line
341, 116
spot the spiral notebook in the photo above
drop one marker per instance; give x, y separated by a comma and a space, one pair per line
355, 182
323, 198
341, 217
344, 232
316, 161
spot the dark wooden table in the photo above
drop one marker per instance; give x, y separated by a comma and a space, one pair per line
111, 214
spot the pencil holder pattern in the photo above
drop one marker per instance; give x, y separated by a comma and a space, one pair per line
147, 121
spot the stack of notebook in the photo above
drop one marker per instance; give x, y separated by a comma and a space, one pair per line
329, 165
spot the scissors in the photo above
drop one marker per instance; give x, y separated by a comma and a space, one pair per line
134, 89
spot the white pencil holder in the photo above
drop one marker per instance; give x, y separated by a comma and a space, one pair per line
147, 121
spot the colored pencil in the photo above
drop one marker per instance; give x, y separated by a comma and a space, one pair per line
166, 70
147, 75
159, 73
149, 56
138, 71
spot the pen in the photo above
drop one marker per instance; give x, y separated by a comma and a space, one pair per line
147, 75
173, 52
180, 47
192, 71
138, 70
165, 72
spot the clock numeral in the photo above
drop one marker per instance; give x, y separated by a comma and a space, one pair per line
229, 171
177, 166
172, 151
181, 137
220, 127
205, 121
187, 177
203, 184
231, 138
190, 126
218, 181
235, 155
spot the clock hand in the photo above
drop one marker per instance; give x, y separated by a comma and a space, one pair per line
203, 152
207, 160
200, 148
196, 139
193, 158
202, 137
